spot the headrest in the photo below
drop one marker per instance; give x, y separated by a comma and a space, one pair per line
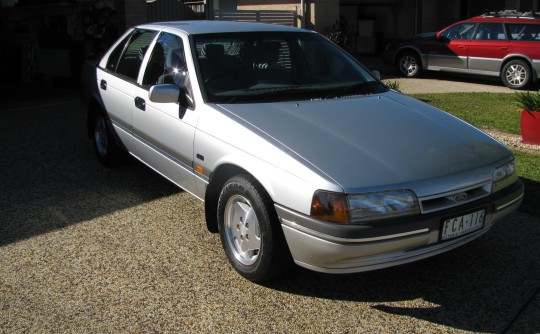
214, 50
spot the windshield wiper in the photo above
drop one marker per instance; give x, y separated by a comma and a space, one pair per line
288, 93
370, 87
274, 94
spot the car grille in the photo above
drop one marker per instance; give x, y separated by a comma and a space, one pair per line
455, 198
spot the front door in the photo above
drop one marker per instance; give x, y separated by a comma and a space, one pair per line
164, 132
451, 50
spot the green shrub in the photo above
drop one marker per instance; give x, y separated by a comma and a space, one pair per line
528, 101
392, 84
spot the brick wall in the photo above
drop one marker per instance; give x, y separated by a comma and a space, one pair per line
326, 14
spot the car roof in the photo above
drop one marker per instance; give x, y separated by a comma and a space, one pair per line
507, 19
206, 27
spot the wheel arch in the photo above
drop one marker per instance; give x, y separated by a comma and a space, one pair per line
94, 107
410, 49
217, 180
519, 57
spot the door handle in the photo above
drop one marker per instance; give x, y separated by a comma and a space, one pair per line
504, 48
461, 46
103, 84
140, 103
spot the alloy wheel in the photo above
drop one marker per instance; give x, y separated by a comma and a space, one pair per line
242, 230
516, 75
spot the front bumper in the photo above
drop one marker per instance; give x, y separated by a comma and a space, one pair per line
337, 248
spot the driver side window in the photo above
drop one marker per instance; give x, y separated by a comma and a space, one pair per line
167, 63
462, 31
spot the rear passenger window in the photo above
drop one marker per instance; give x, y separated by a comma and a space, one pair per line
490, 32
115, 54
524, 32
131, 60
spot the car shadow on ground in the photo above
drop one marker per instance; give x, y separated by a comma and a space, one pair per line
480, 287
50, 176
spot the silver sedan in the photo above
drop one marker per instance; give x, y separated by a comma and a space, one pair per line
300, 154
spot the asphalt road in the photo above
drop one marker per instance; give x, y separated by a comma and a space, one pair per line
87, 249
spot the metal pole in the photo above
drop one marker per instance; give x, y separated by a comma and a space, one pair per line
302, 14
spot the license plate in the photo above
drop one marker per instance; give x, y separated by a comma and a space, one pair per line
458, 226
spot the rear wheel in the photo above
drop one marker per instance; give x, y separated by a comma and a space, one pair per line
409, 64
249, 230
516, 74
107, 151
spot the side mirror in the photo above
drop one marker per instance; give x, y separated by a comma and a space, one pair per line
440, 37
167, 93
376, 74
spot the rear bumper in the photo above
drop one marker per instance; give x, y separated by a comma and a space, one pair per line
334, 248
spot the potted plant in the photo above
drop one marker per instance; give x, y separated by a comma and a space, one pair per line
530, 117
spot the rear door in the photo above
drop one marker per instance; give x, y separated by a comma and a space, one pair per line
525, 40
488, 48
117, 81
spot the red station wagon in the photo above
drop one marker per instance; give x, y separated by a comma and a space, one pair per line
499, 44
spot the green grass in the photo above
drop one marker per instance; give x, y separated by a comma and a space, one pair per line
529, 171
483, 110
499, 112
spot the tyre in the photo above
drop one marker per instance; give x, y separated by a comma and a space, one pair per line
409, 65
250, 232
107, 151
516, 74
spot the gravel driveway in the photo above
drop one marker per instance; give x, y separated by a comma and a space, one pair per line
85, 249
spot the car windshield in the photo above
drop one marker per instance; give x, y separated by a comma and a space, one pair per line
277, 66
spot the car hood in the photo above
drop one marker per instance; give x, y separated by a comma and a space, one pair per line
374, 140
425, 35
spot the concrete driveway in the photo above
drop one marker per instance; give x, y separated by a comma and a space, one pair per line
439, 82
91, 250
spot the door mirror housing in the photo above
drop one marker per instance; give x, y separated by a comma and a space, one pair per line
170, 93
440, 37
167, 93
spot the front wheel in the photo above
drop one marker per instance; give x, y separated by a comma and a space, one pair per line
409, 65
249, 230
516, 74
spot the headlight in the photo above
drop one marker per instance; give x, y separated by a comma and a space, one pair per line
504, 176
358, 208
